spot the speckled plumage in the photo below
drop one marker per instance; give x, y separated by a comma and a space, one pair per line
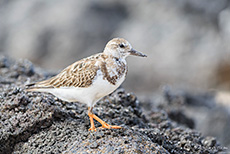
91, 78
82, 73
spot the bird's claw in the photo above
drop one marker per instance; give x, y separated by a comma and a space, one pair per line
107, 126
93, 129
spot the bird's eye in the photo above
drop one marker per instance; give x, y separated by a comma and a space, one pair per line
121, 45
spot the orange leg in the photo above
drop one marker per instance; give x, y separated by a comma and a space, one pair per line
92, 128
104, 124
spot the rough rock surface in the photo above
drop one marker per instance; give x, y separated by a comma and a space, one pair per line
177, 36
203, 111
38, 122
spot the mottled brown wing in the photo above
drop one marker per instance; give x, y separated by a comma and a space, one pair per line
79, 74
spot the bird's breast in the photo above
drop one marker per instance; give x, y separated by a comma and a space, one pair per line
113, 71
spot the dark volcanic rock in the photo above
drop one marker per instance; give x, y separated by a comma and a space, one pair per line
41, 123
203, 111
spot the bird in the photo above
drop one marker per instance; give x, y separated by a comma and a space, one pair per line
90, 79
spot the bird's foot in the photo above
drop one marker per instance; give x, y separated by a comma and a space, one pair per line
107, 126
103, 123
93, 129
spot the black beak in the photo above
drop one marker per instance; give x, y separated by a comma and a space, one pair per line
137, 53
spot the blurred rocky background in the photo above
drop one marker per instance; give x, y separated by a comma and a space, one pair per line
187, 43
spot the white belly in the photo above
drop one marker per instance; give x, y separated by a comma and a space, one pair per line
89, 95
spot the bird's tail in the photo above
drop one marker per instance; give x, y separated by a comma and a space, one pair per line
31, 87
36, 87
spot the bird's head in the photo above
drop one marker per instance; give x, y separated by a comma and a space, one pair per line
120, 48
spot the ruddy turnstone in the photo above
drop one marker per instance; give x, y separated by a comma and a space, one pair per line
90, 79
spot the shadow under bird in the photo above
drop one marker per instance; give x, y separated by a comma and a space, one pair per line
90, 79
